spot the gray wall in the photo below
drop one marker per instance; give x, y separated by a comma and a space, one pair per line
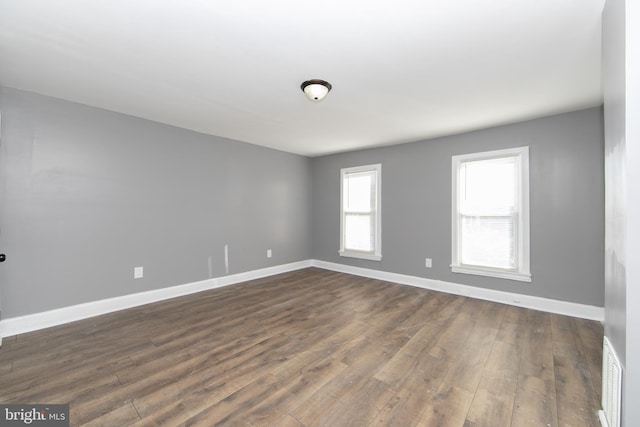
86, 195
615, 206
567, 199
621, 68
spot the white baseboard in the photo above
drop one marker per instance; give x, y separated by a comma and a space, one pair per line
536, 303
22, 324
263, 272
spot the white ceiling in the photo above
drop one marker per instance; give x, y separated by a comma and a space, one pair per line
401, 70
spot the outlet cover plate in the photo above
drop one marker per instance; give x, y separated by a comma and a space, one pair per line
138, 272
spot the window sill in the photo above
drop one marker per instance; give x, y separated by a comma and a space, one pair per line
510, 275
360, 255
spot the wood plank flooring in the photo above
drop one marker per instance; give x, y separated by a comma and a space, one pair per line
313, 348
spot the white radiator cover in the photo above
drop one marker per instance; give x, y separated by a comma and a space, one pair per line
611, 386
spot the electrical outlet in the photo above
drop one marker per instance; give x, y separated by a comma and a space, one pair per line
138, 272
268, 253
427, 262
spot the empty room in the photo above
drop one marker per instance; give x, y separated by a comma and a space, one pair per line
410, 213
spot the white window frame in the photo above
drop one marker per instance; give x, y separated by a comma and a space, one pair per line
522, 272
376, 255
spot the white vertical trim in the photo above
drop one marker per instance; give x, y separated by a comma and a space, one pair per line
524, 241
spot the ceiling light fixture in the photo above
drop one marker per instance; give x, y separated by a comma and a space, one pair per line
315, 89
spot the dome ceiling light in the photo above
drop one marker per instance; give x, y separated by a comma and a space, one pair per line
315, 89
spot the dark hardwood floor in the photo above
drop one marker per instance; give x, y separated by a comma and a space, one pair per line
313, 348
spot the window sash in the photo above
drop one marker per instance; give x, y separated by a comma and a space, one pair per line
493, 246
363, 239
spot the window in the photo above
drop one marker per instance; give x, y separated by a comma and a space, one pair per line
490, 224
360, 212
